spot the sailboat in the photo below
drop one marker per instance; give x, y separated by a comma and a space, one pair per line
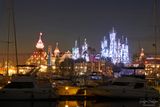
22, 87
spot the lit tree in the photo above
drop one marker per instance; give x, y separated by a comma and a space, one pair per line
67, 66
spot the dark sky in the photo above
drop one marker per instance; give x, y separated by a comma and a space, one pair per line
67, 20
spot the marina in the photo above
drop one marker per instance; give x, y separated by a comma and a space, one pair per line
32, 87
79, 54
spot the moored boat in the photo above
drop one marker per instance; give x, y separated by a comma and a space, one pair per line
27, 87
123, 87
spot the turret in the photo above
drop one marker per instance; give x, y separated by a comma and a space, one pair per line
40, 44
56, 51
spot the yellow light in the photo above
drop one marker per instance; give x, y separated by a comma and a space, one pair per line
66, 88
146, 73
76, 67
81, 73
85, 67
66, 105
9, 82
153, 66
54, 67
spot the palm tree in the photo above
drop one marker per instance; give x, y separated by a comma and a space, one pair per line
67, 66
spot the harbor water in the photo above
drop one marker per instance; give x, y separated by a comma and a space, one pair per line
92, 103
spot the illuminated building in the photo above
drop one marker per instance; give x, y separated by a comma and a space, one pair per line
115, 49
152, 66
84, 53
49, 56
56, 51
76, 54
150, 63
66, 55
104, 47
75, 51
39, 55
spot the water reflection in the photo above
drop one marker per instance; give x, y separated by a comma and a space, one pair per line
72, 104
99, 104
28, 104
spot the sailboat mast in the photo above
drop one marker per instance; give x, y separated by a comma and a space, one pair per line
12, 31
15, 38
8, 40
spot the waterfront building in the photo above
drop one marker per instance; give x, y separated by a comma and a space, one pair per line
56, 51
75, 51
84, 53
115, 49
152, 66
39, 55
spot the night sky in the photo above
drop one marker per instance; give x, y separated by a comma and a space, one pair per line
64, 21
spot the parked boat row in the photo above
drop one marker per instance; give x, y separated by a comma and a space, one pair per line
32, 88
123, 87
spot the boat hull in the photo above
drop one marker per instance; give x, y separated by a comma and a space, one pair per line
114, 92
27, 95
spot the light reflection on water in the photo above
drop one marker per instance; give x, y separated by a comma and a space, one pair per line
71, 104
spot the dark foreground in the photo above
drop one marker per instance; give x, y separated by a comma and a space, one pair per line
79, 101
75, 103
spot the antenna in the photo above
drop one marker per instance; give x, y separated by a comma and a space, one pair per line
155, 28
155, 24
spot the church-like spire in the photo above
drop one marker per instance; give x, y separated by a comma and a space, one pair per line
113, 31
76, 43
40, 44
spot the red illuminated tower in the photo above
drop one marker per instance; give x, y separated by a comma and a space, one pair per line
39, 55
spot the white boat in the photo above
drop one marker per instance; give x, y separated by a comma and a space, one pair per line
27, 87
123, 87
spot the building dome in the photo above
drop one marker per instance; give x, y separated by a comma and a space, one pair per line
40, 44
56, 51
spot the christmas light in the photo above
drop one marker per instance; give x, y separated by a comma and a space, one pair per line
115, 49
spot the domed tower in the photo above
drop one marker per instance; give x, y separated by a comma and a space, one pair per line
56, 51
39, 55
40, 44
